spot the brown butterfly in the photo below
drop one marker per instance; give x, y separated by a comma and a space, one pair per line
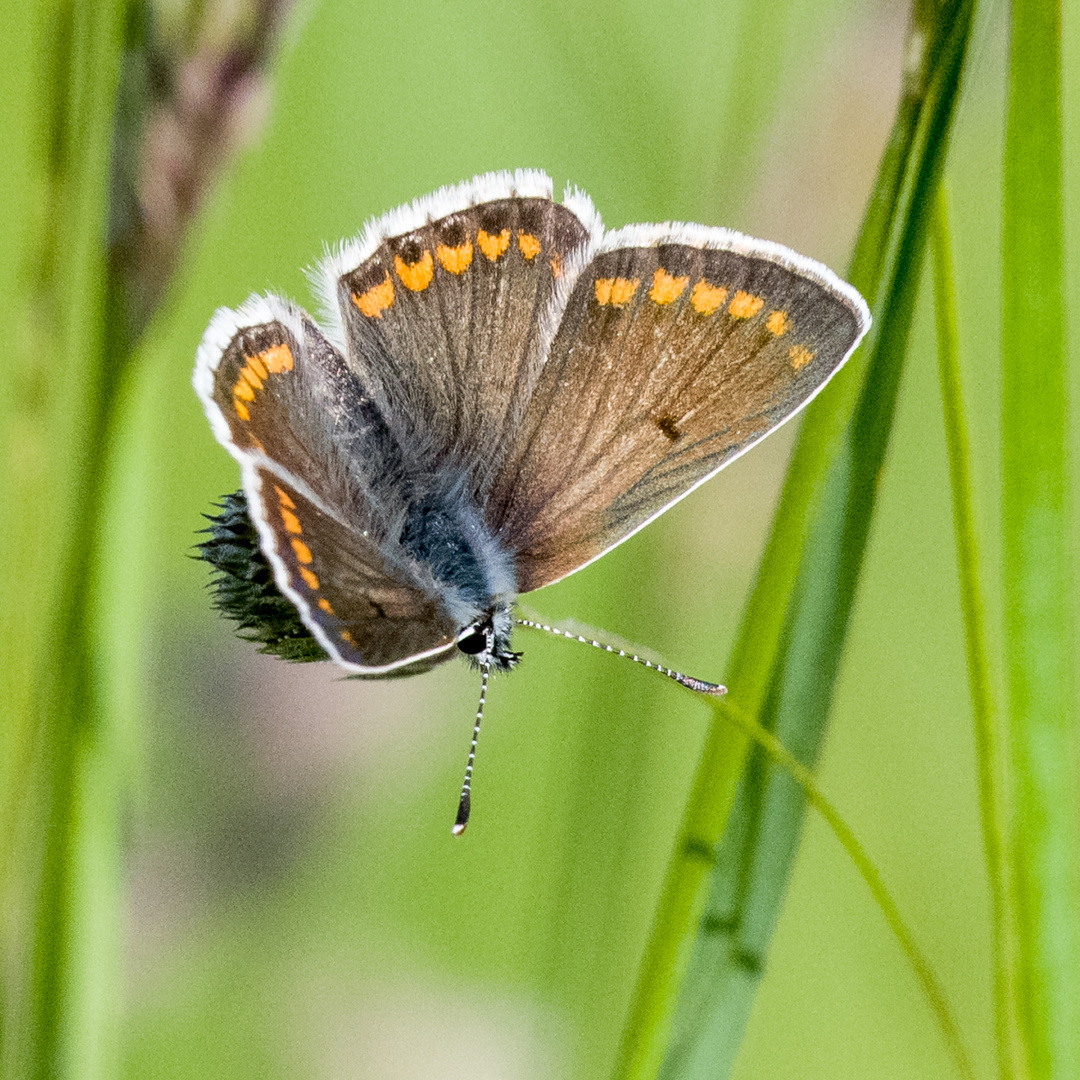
500, 393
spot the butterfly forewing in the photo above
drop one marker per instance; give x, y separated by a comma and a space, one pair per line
446, 323
670, 360
286, 393
293, 408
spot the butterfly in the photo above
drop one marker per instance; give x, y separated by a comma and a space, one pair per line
500, 392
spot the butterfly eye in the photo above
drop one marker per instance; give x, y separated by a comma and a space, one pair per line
473, 643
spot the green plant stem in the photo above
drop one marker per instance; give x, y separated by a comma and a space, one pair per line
989, 746
1040, 647
71, 811
788, 654
869, 872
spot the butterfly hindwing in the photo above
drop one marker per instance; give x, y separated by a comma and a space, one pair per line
671, 358
366, 608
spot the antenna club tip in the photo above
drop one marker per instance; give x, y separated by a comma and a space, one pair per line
700, 686
462, 819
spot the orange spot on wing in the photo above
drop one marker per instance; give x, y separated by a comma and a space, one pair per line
777, 323
303, 552
277, 359
530, 246
666, 287
258, 366
415, 276
347, 637
493, 245
455, 259
326, 605
707, 298
253, 380
615, 291
556, 266
310, 579
283, 498
291, 521
744, 305
376, 300
800, 356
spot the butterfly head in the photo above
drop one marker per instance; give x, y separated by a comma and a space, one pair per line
486, 642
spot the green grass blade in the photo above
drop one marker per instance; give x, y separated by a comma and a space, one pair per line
789, 651
718, 774
63, 826
1039, 620
92, 269
920, 965
989, 746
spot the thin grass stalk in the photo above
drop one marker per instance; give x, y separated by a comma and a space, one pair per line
808, 663
822, 427
27, 444
759, 638
725, 751
803, 675
1039, 617
989, 746
868, 871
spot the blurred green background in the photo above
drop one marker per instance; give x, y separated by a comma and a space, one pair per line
295, 905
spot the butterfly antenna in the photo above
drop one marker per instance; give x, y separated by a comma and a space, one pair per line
698, 685
465, 803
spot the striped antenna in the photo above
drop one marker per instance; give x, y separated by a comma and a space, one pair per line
698, 685
465, 803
